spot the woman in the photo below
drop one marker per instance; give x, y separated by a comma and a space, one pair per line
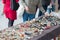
10, 14
30, 7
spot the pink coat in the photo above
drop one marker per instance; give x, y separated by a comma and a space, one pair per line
11, 14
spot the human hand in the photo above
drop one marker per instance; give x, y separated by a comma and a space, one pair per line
46, 14
26, 8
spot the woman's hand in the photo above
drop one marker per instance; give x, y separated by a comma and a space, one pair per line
26, 8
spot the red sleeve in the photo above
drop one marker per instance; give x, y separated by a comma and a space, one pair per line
3, 1
17, 0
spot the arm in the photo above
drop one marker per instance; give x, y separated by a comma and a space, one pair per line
40, 7
17, 0
3, 1
23, 3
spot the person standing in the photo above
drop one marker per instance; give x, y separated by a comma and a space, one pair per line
10, 14
59, 4
45, 4
31, 8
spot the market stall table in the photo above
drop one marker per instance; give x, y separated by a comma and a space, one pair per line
42, 28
